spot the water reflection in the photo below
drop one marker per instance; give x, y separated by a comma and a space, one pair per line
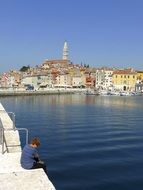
107, 101
96, 138
121, 102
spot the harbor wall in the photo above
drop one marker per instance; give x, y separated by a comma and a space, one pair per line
39, 92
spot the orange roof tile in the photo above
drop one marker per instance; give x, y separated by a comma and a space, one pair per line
124, 72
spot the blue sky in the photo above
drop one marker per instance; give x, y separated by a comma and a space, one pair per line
98, 32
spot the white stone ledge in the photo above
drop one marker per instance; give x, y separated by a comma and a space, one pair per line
13, 176
6, 120
10, 162
25, 180
1, 107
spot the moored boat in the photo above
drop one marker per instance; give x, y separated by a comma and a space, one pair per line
126, 93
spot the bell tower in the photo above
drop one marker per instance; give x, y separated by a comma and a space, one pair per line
65, 51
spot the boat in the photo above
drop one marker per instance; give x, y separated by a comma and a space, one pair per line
92, 92
126, 93
104, 92
114, 93
138, 93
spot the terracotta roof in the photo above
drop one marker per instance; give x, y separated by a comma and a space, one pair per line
139, 71
55, 71
124, 72
56, 61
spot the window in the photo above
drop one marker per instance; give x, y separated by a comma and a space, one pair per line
125, 82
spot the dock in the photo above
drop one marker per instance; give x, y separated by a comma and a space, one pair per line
12, 175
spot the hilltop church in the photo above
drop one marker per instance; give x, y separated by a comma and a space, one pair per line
58, 62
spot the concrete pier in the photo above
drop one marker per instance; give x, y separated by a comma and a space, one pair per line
12, 175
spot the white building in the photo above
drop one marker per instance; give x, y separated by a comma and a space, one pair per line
37, 81
104, 78
63, 80
77, 81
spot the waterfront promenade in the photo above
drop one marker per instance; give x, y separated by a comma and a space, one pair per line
12, 175
41, 92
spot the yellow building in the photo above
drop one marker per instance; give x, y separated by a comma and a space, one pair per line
140, 76
124, 79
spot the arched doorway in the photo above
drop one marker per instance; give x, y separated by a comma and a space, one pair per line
124, 88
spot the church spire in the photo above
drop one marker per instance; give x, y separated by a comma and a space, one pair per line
65, 51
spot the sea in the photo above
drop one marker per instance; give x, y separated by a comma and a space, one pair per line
87, 142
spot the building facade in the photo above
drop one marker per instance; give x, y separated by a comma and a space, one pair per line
124, 80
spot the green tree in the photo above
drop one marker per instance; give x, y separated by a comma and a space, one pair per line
25, 68
87, 66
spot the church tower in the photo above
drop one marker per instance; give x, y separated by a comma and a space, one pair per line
65, 51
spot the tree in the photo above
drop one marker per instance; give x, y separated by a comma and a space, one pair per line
87, 66
25, 68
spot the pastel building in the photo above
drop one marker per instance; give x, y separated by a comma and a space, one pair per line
63, 80
124, 79
140, 76
104, 78
37, 80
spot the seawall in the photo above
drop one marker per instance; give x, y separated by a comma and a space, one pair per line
40, 92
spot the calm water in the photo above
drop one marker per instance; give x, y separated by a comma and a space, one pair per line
88, 142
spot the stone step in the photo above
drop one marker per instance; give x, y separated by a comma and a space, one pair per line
12, 141
12, 137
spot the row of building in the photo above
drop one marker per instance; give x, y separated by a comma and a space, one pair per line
62, 73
